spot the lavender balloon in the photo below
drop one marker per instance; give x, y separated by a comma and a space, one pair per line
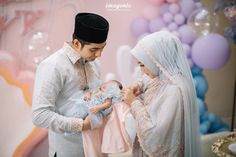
167, 17
174, 8
187, 34
172, 26
187, 50
187, 7
179, 19
139, 26
172, 1
164, 9
176, 34
190, 62
156, 24
211, 51
142, 36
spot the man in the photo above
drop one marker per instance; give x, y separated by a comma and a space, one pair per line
63, 78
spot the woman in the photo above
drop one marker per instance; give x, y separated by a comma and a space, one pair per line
164, 106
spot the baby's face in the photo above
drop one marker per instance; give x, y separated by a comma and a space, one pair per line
106, 85
103, 87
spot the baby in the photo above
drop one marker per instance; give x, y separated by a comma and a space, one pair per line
98, 103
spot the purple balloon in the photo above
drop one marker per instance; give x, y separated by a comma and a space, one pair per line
187, 34
167, 17
198, 5
174, 8
172, 26
156, 24
142, 36
176, 34
139, 26
187, 7
179, 19
164, 8
190, 62
187, 50
165, 29
211, 51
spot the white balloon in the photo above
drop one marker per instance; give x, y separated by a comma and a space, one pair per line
110, 76
123, 63
203, 21
36, 48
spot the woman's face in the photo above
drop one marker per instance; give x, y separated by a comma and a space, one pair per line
146, 70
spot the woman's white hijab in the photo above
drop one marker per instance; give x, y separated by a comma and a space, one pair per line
162, 52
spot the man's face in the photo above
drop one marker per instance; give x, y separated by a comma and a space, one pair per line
90, 52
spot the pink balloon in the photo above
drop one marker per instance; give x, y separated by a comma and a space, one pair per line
211, 51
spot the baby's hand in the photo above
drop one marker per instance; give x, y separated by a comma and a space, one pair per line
136, 89
87, 96
94, 109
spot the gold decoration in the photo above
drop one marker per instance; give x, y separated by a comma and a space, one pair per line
220, 147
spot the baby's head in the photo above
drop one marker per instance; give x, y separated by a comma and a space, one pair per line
109, 83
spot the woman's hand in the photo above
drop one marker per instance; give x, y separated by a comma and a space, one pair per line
136, 89
86, 124
128, 96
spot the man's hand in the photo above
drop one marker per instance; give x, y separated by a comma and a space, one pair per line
86, 124
95, 109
